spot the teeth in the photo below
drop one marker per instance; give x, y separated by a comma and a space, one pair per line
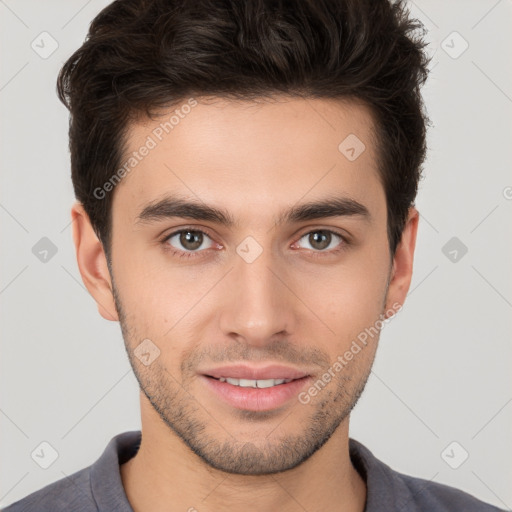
249, 383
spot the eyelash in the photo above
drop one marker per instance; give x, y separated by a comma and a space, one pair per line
193, 254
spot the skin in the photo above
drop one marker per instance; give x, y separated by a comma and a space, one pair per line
255, 160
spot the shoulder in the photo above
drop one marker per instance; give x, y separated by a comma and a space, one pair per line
96, 487
434, 496
390, 490
72, 492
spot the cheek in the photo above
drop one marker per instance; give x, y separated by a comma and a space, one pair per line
350, 299
162, 303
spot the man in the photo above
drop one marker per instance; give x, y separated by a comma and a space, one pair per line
245, 175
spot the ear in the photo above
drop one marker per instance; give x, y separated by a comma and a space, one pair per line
92, 263
401, 273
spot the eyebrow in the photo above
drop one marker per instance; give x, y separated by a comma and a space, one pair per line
174, 206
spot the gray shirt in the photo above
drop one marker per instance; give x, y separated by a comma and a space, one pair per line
99, 487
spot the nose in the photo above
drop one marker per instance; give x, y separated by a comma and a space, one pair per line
260, 303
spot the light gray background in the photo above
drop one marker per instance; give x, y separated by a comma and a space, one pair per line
443, 368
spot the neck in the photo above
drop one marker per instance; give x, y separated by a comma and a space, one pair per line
165, 475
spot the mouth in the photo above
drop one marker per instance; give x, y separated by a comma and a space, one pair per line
253, 383
246, 372
255, 389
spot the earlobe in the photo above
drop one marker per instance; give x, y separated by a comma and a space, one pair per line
92, 263
401, 274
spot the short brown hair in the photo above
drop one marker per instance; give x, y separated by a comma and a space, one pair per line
144, 55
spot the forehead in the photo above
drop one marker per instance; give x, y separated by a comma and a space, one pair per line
264, 153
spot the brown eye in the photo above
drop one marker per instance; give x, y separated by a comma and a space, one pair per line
322, 240
187, 240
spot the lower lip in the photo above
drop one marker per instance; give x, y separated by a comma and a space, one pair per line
256, 399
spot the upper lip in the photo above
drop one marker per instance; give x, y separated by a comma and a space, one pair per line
244, 371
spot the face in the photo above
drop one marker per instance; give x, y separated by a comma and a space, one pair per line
225, 265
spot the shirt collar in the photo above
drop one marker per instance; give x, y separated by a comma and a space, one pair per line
385, 489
